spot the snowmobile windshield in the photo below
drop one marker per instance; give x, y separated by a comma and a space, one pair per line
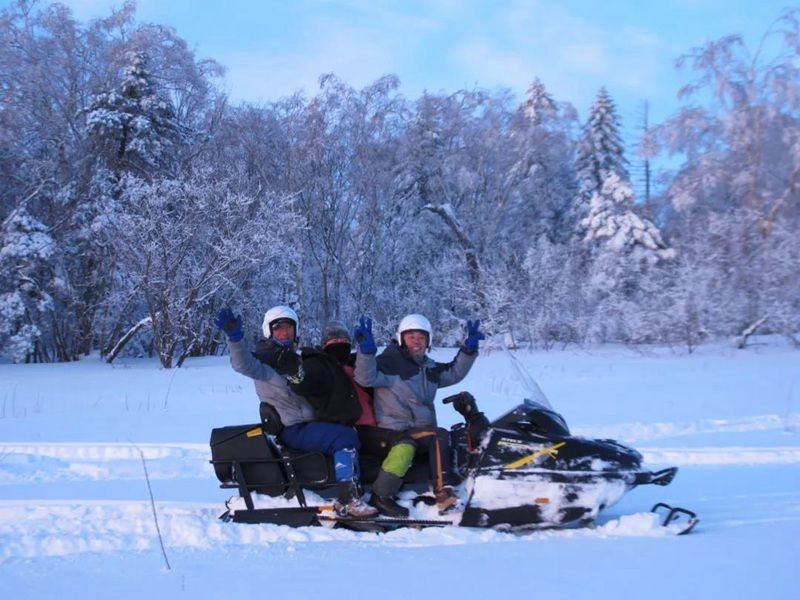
533, 417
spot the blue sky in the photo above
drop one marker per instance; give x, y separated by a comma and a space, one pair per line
273, 48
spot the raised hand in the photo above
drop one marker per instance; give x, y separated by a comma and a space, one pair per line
230, 324
362, 334
474, 335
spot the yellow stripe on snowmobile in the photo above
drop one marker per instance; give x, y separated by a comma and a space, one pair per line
254, 432
551, 451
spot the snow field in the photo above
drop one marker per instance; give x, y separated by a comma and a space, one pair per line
75, 508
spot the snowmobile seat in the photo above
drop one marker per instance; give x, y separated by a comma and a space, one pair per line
243, 456
250, 458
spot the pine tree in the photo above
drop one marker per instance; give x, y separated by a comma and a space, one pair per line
134, 127
25, 250
612, 220
542, 174
599, 152
605, 199
539, 106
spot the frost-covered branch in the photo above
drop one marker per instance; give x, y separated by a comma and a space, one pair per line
445, 211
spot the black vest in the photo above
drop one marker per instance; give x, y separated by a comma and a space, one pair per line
326, 387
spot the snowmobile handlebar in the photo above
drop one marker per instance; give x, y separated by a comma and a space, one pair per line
464, 403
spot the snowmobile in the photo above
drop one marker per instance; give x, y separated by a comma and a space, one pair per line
524, 470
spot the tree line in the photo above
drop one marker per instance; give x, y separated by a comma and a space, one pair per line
136, 199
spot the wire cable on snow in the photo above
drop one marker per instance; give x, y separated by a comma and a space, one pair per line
153, 506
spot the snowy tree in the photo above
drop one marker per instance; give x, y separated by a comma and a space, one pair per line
424, 261
49, 63
539, 107
645, 148
52, 66
134, 127
542, 175
737, 188
25, 250
623, 247
556, 307
611, 220
341, 146
626, 250
599, 152
190, 245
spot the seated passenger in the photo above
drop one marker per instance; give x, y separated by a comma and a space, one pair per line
336, 342
405, 380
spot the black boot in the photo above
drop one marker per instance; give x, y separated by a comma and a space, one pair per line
387, 505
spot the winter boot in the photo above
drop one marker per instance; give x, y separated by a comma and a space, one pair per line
350, 504
445, 498
385, 488
387, 505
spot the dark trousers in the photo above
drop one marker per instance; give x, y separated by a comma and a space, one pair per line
339, 441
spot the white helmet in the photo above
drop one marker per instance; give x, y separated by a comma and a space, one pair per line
279, 312
414, 322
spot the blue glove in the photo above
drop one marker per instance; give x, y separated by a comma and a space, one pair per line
363, 335
231, 325
474, 335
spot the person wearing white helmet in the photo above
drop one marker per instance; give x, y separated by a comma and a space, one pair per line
405, 380
281, 324
279, 371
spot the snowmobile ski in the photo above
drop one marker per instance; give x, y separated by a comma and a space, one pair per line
308, 516
381, 523
675, 517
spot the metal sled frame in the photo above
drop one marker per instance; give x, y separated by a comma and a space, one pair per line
285, 462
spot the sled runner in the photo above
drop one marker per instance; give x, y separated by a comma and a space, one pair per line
527, 472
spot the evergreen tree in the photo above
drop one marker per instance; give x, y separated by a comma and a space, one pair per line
542, 174
133, 127
612, 220
539, 107
599, 152
25, 252
623, 247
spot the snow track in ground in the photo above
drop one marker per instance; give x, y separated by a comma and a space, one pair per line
730, 455
64, 527
637, 432
32, 527
44, 461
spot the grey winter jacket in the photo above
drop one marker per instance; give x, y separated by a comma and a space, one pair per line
404, 388
271, 387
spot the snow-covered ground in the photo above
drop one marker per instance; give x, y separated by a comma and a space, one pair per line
76, 519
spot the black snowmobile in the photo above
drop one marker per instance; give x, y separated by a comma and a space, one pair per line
525, 471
